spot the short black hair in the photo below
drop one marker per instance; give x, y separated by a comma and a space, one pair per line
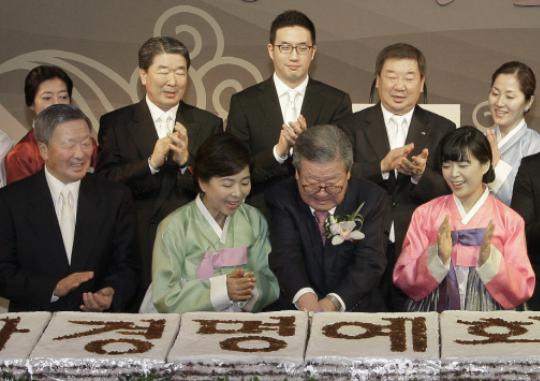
459, 144
523, 73
220, 155
40, 74
401, 50
160, 45
292, 18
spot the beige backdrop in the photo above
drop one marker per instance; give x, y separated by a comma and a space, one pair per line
97, 41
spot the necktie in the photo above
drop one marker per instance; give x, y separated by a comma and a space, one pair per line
165, 125
398, 125
291, 113
320, 217
67, 221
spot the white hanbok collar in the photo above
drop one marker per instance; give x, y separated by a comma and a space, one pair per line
467, 216
501, 141
221, 233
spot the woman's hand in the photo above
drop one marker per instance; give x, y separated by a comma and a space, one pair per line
485, 249
492, 139
444, 241
240, 284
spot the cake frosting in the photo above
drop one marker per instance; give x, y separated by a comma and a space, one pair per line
345, 345
103, 345
502, 345
267, 345
19, 332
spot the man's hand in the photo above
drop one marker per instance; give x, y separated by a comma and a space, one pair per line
395, 157
97, 301
160, 152
288, 135
71, 282
308, 302
416, 166
179, 144
240, 284
444, 241
326, 305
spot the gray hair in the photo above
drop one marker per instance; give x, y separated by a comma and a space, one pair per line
48, 119
321, 144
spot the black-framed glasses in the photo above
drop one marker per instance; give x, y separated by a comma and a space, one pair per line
330, 189
301, 49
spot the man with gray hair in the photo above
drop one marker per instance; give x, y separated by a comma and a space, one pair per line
66, 237
327, 229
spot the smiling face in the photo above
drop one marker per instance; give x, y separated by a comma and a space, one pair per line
292, 68
50, 92
400, 84
68, 153
165, 80
465, 179
223, 195
507, 102
322, 186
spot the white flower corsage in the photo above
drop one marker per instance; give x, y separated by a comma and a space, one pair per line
345, 228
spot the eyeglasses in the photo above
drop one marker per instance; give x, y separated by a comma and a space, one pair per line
301, 49
330, 189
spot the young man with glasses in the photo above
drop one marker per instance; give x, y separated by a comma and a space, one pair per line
268, 117
321, 267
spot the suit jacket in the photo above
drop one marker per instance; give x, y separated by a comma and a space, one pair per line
370, 144
526, 201
255, 118
126, 140
299, 259
32, 254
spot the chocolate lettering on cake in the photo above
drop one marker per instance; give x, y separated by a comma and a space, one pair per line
233, 344
284, 326
395, 330
496, 330
9, 328
154, 330
97, 346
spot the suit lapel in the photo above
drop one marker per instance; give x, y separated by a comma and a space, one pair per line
419, 131
314, 251
43, 221
142, 129
375, 131
88, 213
269, 104
311, 107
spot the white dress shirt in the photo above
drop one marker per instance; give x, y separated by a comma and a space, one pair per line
164, 122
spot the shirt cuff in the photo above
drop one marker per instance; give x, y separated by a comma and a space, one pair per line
436, 267
502, 170
301, 292
491, 266
152, 169
385, 175
255, 295
342, 307
54, 298
219, 297
279, 159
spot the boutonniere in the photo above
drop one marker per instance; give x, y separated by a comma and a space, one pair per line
345, 228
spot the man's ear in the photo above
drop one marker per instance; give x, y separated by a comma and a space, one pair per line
43, 151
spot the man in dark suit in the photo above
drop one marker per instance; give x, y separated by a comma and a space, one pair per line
526, 201
268, 117
149, 146
67, 238
322, 265
395, 145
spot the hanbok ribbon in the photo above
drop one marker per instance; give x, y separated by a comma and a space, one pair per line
468, 237
233, 256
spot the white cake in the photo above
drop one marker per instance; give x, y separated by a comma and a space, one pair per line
102, 345
19, 332
366, 346
266, 345
502, 345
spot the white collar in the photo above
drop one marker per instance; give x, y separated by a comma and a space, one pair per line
387, 115
221, 233
502, 140
282, 88
56, 186
467, 216
158, 113
330, 212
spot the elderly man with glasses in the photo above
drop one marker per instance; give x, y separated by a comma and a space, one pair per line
269, 116
327, 229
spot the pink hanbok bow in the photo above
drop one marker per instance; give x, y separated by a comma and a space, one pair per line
234, 256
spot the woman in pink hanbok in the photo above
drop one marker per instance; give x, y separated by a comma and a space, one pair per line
466, 250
